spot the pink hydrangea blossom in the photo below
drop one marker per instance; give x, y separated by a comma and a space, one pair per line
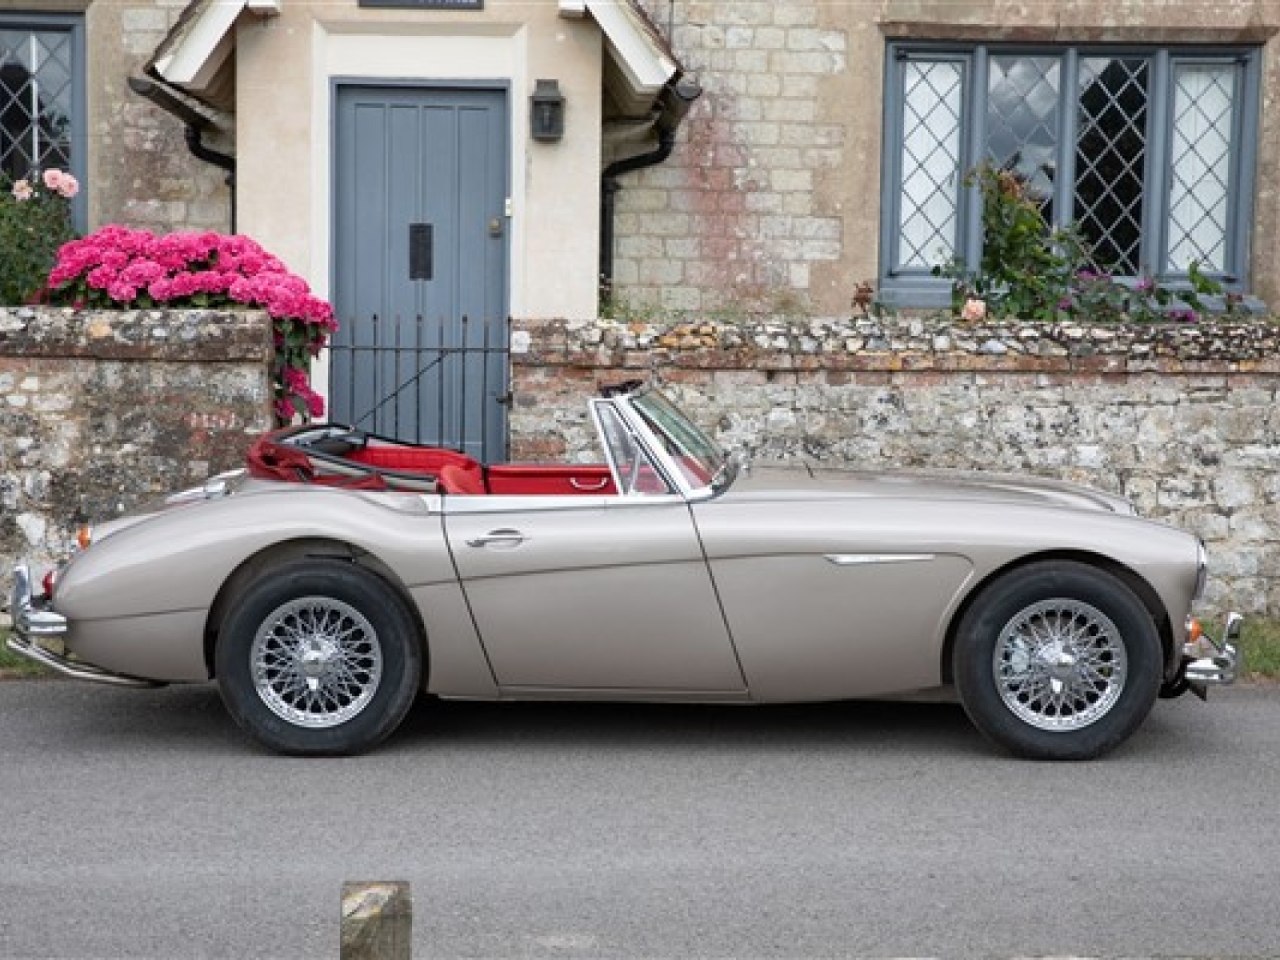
121, 266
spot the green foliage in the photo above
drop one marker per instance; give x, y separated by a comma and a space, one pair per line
35, 220
12, 665
1032, 271
1260, 647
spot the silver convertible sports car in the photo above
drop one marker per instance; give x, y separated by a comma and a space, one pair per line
340, 574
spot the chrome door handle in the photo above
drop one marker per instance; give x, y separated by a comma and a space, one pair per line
587, 485
507, 537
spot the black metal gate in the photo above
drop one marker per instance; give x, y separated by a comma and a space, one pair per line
425, 381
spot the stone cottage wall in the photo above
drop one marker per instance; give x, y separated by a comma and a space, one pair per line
102, 410
1182, 419
140, 170
772, 199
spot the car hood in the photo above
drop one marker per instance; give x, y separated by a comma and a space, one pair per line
808, 482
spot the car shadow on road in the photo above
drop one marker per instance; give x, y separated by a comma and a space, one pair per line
873, 726
191, 718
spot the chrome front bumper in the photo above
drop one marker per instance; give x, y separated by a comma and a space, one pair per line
36, 627
1210, 661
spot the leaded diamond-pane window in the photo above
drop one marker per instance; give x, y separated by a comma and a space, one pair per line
1023, 119
1149, 152
930, 154
1111, 154
1200, 166
41, 78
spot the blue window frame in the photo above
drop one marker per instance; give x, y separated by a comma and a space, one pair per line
1149, 150
42, 97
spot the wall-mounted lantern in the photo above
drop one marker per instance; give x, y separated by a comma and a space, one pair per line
546, 116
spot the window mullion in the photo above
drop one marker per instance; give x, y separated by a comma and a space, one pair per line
1064, 187
969, 234
1153, 254
1245, 140
33, 86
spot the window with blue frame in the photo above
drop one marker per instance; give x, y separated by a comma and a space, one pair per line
42, 114
1149, 151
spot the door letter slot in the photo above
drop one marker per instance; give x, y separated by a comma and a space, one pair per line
420, 251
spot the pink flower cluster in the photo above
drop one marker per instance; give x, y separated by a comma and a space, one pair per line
123, 267
55, 181
61, 183
186, 269
297, 385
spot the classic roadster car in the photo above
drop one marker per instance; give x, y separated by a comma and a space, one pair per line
341, 574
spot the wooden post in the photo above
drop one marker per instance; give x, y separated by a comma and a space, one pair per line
377, 921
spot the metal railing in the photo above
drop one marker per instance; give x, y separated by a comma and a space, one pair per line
441, 383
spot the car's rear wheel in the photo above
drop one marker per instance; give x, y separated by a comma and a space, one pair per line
1057, 661
319, 657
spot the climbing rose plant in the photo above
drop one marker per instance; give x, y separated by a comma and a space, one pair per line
119, 267
35, 219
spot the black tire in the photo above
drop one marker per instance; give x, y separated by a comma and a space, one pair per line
352, 684
1057, 660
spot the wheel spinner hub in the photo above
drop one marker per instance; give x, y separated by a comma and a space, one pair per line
1060, 664
316, 662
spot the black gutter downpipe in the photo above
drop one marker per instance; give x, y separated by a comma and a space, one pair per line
194, 125
676, 99
609, 188
225, 161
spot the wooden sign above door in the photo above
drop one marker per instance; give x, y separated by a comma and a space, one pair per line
427, 4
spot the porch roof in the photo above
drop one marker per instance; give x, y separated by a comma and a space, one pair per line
196, 56
640, 61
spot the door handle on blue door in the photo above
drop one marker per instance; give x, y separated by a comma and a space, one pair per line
499, 538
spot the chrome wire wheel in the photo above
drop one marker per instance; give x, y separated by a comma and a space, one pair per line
316, 662
1060, 665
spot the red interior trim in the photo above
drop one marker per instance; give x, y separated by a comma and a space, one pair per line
412, 459
537, 479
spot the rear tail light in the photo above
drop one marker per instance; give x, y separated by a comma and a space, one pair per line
48, 582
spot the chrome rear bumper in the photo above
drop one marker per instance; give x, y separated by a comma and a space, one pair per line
35, 625
30, 620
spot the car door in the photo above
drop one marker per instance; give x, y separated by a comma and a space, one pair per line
589, 592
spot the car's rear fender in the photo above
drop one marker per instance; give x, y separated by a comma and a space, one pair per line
259, 564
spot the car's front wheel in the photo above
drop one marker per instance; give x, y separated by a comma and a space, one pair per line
1057, 661
319, 657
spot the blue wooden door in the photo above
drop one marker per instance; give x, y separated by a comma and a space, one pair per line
420, 265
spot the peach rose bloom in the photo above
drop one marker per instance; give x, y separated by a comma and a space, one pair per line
974, 310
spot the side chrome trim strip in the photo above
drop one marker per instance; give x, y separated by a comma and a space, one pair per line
866, 559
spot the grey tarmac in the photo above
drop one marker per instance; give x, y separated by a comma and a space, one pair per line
142, 824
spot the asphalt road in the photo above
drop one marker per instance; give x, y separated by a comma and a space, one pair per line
141, 824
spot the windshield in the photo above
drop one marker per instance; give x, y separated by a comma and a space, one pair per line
696, 455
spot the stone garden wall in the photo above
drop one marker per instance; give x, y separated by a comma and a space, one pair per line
100, 411
1183, 419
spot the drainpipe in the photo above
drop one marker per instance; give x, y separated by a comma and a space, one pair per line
194, 124
674, 102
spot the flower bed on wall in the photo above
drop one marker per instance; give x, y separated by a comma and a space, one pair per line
118, 267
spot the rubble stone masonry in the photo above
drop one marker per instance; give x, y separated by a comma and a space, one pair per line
103, 410
1184, 420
